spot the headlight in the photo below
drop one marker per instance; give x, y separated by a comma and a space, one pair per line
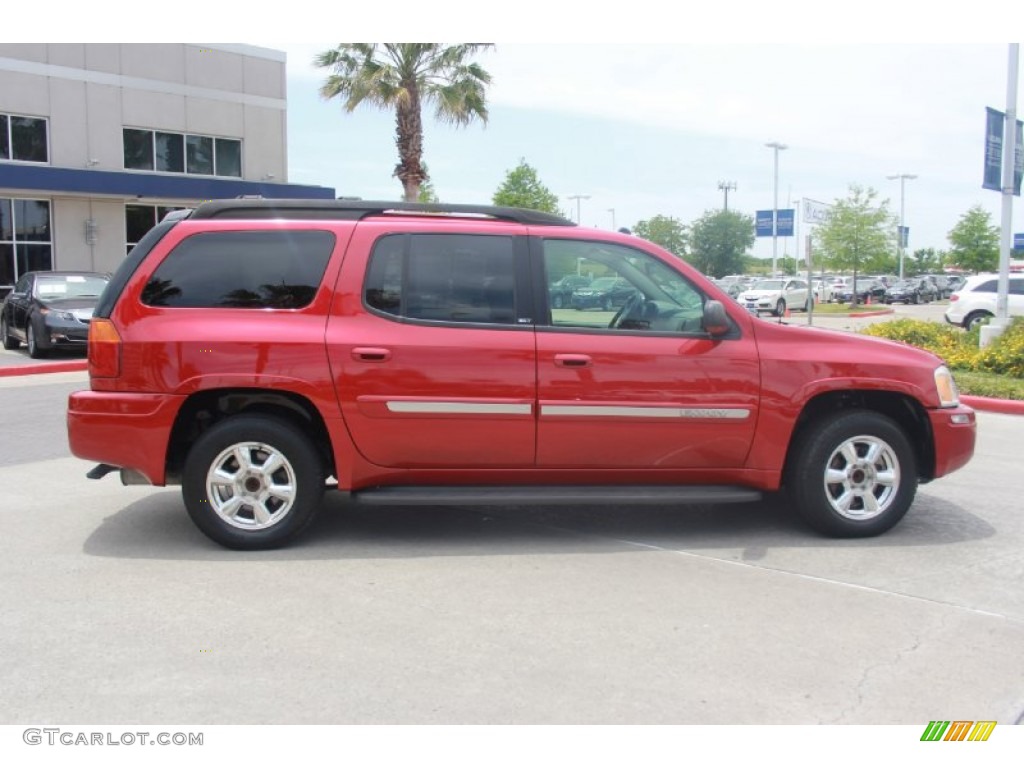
949, 395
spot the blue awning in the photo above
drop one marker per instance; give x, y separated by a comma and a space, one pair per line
46, 178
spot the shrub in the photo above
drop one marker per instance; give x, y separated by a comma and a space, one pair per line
959, 348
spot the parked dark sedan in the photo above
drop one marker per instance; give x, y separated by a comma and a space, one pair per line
561, 290
604, 293
866, 288
916, 290
47, 310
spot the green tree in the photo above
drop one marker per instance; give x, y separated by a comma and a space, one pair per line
975, 242
859, 235
719, 240
427, 192
523, 189
923, 261
668, 232
404, 76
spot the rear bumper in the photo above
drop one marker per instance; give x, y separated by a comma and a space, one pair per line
131, 431
955, 431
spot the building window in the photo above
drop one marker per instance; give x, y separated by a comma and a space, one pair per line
170, 152
26, 242
139, 219
23, 138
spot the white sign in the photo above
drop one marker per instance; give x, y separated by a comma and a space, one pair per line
815, 212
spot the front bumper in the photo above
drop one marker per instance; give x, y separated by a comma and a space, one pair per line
58, 332
954, 431
130, 431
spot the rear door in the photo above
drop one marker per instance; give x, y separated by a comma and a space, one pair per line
432, 345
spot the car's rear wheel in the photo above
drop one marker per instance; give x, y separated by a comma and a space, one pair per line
606, 303
9, 341
32, 341
252, 482
853, 474
975, 319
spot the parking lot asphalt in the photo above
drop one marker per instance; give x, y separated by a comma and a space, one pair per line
117, 609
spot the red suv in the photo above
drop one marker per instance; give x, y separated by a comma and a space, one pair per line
257, 352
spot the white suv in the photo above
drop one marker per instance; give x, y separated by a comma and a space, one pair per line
975, 301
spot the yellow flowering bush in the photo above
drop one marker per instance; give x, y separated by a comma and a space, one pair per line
959, 348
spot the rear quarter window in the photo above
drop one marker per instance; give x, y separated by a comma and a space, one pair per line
244, 270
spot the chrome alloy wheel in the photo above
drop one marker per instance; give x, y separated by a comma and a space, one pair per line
251, 486
862, 477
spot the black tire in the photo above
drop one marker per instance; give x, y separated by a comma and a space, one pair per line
32, 341
809, 306
606, 303
9, 341
236, 525
976, 318
780, 308
557, 301
836, 447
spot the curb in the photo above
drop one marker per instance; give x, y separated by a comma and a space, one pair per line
26, 370
994, 405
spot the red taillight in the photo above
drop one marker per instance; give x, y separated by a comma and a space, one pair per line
104, 349
954, 297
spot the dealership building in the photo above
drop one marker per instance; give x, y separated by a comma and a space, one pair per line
99, 141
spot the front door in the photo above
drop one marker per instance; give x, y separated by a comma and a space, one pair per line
642, 386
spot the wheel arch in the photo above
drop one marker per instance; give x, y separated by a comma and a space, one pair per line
203, 409
903, 409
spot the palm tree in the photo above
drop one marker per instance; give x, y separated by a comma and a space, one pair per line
403, 76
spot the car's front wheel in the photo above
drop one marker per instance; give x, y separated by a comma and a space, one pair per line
32, 341
780, 308
252, 482
853, 474
557, 301
9, 341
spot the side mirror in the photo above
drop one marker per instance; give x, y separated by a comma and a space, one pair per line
716, 319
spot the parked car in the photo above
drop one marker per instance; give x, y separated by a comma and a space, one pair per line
775, 295
916, 290
975, 301
824, 292
940, 283
955, 283
560, 291
258, 352
50, 310
604, 293
867, 288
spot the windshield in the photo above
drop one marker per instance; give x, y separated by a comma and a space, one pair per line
603, 282
768, 285
70, 286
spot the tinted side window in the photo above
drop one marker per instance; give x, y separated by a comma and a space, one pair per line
453, 278
988, 286
252, 270
1017, 287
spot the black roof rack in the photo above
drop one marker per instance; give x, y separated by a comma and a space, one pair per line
359, 209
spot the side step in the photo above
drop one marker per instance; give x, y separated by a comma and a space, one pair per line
555, 494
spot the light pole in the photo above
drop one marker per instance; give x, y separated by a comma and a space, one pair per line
577, 198
725, 186
903, 180
612, 212
775, 145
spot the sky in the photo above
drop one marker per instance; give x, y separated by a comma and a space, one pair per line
652, 129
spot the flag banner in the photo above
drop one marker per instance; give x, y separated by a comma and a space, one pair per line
763, 228
904, 236
785, 222
993, 179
